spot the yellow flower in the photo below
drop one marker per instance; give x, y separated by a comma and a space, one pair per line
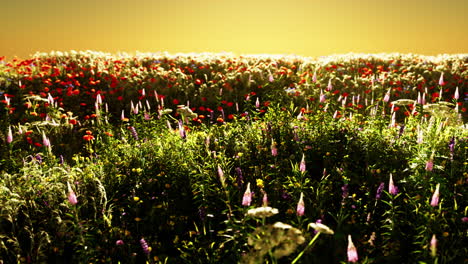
260, 183
136, 199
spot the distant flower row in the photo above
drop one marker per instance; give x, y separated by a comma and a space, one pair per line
215, 84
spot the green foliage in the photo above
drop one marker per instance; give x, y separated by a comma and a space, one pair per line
166, 183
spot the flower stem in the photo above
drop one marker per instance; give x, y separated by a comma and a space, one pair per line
306, 248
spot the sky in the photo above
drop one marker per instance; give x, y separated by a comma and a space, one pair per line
300, 27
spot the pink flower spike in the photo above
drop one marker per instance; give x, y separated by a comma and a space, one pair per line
322, 97
435, 196
302, 165
392, 189
387, 96
265, 199
45, 140
247, 198
270, 78
329, 86
274, 150
300, 206
429, 165
441, 79
221, 176
352, 251
456, 95
71, 195
9, 137
314, 77
98, 99
433, 246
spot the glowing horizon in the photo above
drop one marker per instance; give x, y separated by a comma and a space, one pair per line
304, 28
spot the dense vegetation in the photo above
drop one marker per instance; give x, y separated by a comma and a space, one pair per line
215, 158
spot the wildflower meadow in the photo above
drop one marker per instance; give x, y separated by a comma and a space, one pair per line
220, 158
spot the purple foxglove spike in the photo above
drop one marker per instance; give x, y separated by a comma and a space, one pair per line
379, 190
240, 178
144, 246
345, 191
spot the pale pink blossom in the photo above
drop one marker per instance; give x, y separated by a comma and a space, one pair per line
71, 195
392, 189
387, 96
429, 165
302, 165
247, 198
441, 79
9, 137
45, 140
329, 86
322, 97
274, 149
300, 206
435, 196
265, 199
433, 246
352, 251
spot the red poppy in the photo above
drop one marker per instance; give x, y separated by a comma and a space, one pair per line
88, 137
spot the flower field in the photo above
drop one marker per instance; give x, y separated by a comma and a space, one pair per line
217, 158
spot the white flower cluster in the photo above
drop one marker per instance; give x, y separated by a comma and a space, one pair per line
262, 212
280, 238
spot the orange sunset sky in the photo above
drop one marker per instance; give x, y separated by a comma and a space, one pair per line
301, 27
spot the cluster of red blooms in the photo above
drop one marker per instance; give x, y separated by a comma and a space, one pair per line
89, 136
74, 82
